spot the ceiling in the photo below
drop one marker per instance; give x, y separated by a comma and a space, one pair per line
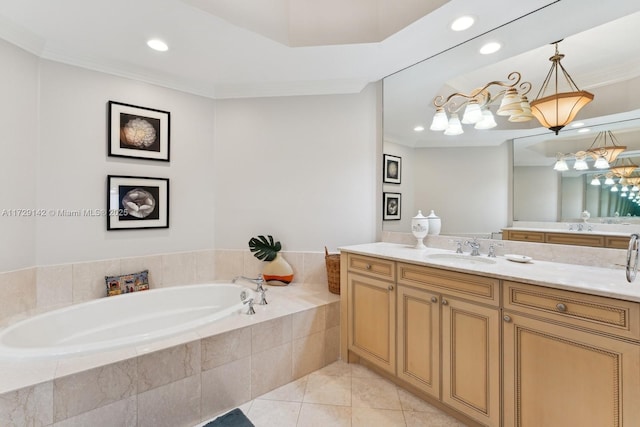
249, 48
598, 55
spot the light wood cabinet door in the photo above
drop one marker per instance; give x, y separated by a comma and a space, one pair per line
558, 376
372, 320
419, 339
471, 359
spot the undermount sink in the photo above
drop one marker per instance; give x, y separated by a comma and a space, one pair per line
461, 259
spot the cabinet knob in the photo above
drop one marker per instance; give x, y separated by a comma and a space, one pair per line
434, 299
444, 302
507, 318
561, 307
367, 266
390, 287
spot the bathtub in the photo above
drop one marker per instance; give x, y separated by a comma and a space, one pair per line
113, 322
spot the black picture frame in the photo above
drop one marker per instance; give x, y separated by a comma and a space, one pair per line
137, 202
138, 132
391, 206
392, 169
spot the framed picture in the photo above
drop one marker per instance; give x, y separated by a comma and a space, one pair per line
135, 202
392, 169
138, 132
391, 206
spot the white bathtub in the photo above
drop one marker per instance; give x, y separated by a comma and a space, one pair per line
117, 321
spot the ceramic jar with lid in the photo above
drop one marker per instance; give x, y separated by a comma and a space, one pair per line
419, 228
435, 224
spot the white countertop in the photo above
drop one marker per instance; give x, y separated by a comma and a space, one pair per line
606, 282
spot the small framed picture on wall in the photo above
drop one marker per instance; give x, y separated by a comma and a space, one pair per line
138, 132
135, 202
392, 169
391, 204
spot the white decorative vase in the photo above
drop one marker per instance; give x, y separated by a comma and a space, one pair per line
419, 228
585, 216
278, 272
435, 224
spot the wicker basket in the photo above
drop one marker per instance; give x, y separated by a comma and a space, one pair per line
333, 271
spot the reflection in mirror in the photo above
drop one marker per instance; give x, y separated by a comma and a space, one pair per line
481, 181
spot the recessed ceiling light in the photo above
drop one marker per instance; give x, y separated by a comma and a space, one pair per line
577, 124
418, 128
463, 23
583, 130
158, 45
491, 47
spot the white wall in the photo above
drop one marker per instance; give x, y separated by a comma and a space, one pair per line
73, 165
302, 169
536, 193
19, 135
408, 208
468, 188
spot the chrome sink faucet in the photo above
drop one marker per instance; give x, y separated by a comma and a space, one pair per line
474, 245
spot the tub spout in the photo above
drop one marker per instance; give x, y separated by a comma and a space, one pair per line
259, 281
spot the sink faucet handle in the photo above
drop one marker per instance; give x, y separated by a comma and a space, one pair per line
458, 246
492, 249
263, 298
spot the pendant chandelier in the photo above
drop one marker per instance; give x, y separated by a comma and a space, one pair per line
604, 150
558, 109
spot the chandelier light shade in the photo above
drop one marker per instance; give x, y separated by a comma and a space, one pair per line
605, 149
476, 106
624, 168
556, 110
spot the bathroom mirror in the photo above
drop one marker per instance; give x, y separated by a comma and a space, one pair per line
474, 181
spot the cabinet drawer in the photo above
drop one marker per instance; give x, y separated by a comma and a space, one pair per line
588, 311
575, 239
616, 242
371, 266
469, 286
526, 236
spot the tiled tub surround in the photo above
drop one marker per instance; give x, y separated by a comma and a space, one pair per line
185, 379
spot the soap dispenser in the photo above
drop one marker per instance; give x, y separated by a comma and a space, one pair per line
435, 224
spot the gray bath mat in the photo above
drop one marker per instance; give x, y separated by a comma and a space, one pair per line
235, 418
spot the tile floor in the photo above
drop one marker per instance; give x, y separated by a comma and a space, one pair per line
347, 395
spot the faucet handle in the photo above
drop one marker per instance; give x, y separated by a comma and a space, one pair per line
263, 298
458, 246
492, 249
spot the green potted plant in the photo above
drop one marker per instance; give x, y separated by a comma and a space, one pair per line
277, 271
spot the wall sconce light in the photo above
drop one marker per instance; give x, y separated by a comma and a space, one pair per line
476, 106
557, 110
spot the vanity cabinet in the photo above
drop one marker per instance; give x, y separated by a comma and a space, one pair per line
587, 238
449, 338
568, 358
501, 352
371, 315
